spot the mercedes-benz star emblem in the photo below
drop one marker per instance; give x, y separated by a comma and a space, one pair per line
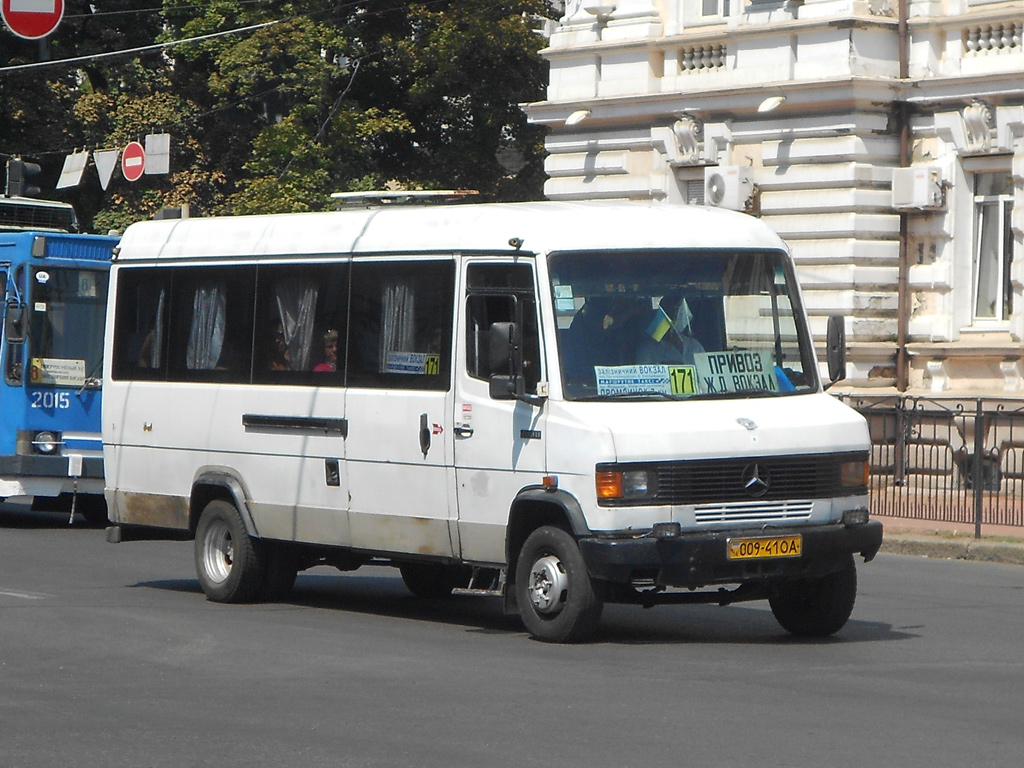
756, 480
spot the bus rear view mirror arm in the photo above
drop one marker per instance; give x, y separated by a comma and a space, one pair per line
512, 388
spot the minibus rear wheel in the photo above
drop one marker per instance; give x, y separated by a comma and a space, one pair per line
556, 597
229, 562
816, 607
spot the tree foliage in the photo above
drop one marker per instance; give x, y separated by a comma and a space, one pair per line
325, 97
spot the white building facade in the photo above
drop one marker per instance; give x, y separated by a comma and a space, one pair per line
883, 139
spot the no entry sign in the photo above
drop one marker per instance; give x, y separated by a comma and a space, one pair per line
32, 19
133, 161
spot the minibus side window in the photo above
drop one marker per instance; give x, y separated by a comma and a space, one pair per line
495, 290
140, 325
301, 324
210, 327
400, 334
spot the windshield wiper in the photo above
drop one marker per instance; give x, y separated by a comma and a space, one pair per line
634, 396
751, 392
653, 395
730, 395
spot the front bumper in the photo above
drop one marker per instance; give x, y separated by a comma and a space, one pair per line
694, 560
49, 466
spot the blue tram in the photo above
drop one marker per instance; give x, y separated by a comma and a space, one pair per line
51, 354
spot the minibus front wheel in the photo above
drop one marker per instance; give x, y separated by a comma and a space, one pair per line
556, 597
816, 607
229, 563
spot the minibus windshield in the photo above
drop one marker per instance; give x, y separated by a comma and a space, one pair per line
679, 325
65, 343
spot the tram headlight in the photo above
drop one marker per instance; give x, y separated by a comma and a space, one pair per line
46, 442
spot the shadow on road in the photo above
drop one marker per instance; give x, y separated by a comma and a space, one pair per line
386, 596
22, 517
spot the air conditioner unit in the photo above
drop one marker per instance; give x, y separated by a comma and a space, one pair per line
917, 188
728, 186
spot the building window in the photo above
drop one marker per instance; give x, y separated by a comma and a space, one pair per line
703, 12
993, 247
715, 8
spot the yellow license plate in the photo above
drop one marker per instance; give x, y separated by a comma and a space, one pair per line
759, 548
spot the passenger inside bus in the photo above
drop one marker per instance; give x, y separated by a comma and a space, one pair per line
278, 357
605, 332
330, 361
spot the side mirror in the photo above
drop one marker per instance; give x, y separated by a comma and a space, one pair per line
506, 380
14, 322
835, 348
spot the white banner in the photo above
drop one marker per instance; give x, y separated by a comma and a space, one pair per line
74, 167
158, 153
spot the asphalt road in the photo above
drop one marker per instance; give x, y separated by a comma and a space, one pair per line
110, 656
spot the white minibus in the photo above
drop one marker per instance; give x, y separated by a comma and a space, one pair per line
558, 404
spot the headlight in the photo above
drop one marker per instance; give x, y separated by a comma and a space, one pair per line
628, 485
46, 443
854, 473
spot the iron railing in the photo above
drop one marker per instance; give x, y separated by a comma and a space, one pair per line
954, 461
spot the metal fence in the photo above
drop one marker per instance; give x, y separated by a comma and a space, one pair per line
957, 461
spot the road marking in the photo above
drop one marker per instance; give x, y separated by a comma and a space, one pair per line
22, 595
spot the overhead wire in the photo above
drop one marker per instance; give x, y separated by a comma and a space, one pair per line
139, 49
222, 33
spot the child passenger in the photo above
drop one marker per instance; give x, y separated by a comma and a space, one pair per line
330, 363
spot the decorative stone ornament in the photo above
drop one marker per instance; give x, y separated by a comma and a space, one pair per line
689, 133
979, 121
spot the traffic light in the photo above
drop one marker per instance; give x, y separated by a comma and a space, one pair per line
17, 171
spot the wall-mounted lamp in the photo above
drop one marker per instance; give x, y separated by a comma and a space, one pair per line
602, 12
771, 103
577, 117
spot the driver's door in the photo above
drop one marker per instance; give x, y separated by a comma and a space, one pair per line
499, 444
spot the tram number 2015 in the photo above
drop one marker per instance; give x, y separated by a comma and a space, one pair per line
51, 400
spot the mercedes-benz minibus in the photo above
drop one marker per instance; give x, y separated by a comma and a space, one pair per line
561, 405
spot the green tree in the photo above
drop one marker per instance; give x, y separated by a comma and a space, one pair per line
49, 112
325, 97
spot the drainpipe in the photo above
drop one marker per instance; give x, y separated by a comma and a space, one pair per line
902, 282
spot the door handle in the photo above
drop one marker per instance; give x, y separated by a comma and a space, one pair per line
463, 430
424, 434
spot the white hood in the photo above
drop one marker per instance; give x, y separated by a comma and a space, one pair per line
627, 431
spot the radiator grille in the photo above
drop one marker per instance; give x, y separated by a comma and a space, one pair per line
762, 481
753, 512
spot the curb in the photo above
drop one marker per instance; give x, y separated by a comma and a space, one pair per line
954, 549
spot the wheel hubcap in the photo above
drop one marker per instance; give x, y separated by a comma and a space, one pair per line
548, 585
219, 554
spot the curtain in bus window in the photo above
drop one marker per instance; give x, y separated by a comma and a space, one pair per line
152, 346
206, 336
397, 322
296, 306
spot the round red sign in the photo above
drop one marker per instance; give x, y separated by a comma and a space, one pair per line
32, 19
133, 161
